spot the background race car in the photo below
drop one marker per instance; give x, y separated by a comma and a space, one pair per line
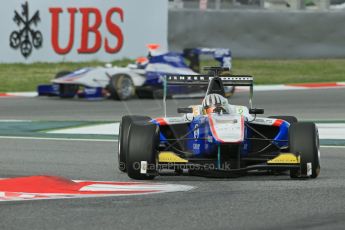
217, 139
143, 78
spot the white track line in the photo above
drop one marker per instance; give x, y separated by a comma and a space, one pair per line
56, 139
8, 121
331, 130
98, 129
333, 146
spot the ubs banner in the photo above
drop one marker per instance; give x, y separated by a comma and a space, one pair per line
74, 30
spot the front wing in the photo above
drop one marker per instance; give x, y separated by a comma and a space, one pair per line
171, 164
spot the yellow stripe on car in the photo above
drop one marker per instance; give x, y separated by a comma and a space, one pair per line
285, 158
170, 157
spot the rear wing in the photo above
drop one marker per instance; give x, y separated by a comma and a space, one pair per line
229, 80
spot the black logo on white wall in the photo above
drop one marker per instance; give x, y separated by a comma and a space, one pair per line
25, 38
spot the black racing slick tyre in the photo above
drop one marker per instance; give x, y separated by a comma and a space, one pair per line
151, 93
66, 90
158, 94
290, 119
142, 150
304, 141
121, 87
123, 138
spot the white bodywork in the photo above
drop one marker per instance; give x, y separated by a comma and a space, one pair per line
227, 128
166, 64
100, 76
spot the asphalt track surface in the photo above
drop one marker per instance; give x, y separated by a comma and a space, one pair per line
305, 104
251, 202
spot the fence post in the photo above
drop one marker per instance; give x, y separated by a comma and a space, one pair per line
298, 4
262, 4
178, 4
324, 4
218, 3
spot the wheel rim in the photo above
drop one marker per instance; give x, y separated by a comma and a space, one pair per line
126, 87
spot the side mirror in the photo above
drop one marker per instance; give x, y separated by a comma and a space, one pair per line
185, 110
256, 111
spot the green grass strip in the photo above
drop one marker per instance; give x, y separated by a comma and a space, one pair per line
26, 77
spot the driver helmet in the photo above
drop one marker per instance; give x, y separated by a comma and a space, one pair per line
213, 101
142, 62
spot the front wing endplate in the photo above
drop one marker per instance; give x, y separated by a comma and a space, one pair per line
285, 158
170, 157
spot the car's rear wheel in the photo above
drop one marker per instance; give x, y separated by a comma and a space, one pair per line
121, 87
151, 93
123, 138
304, 141
158, 94
142, 150
66, 90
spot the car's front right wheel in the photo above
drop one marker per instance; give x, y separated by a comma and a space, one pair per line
304, 141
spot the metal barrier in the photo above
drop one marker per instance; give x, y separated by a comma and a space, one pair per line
258, 4
260, 33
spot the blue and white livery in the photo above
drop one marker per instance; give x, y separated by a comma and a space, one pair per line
216, 138
143, 78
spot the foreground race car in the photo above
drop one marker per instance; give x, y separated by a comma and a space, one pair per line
217, 139
143, 79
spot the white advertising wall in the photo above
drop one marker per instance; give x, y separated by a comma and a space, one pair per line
74, 30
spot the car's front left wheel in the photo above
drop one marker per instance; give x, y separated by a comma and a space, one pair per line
142, 152
66, 90
124, 126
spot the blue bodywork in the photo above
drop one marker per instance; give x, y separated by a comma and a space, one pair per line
88, 93
177, 61
201, 142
